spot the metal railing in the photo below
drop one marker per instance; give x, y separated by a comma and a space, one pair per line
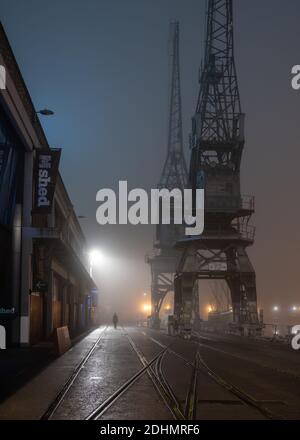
237, 231
248, 203
247, 232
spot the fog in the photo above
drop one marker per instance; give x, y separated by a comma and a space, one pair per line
102, 66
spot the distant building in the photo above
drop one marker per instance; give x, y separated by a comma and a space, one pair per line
44, 282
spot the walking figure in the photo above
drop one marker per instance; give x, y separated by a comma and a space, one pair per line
115, 320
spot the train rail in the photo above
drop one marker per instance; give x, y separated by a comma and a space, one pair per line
104, 406
184, 409
237, 392
200, 367
153, 369
65, 389
159, 383
198, 337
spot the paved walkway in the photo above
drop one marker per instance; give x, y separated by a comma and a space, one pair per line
19, 365
112, 363
32, 400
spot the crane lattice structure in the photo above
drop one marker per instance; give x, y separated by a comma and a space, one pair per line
174, 174
217, 143
164, 258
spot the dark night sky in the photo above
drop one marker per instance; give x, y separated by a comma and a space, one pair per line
101, 65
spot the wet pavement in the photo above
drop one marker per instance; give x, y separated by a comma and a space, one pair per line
113, 363
19, 365
210, 377
33, 398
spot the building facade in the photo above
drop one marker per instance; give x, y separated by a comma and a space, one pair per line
44, 280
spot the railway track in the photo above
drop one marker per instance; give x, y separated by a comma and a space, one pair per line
186, 409
237, 392
147, 367
198, 337
104, 406
200, 367
157, 378
65, 389
153, 369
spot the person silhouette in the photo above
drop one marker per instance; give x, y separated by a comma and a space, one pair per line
115, 320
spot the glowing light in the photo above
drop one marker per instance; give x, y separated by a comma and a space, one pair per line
275, 308
147, 307
294, 308
168, 308
96, 257
209, 309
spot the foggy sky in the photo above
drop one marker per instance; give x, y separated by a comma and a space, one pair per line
102, 66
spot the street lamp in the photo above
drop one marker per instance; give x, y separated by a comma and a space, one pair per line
96, 259
45, 112
147, 308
